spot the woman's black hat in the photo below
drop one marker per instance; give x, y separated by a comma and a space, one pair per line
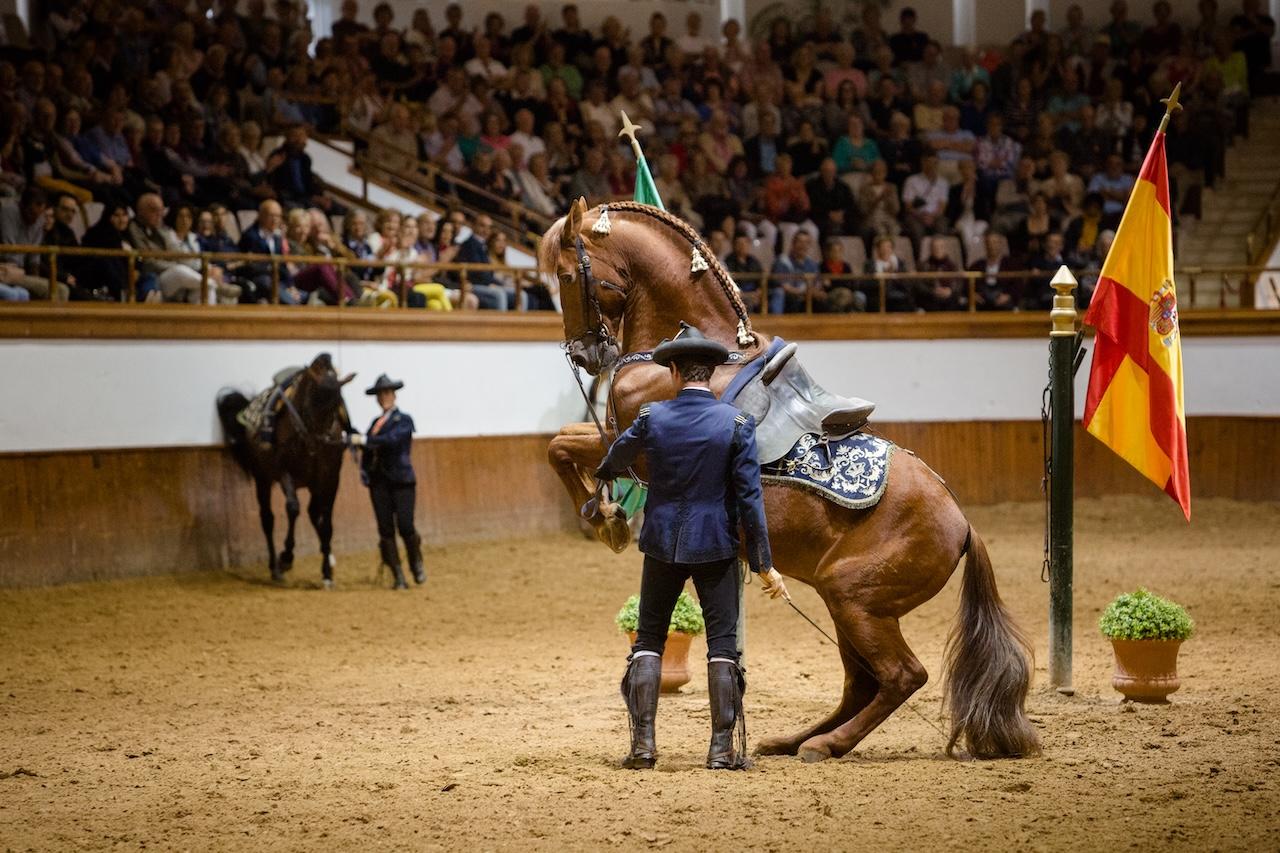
384, 383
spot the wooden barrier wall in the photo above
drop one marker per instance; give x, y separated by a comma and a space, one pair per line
90, 515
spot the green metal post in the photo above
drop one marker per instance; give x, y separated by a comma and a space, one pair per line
1062, 339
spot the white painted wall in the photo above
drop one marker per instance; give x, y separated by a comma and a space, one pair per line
84, 394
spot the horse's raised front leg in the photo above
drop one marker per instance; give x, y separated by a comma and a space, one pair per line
859, 689
878, 640
291, 511
267, 517
575, 453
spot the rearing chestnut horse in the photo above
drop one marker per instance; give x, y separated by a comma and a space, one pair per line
639, 276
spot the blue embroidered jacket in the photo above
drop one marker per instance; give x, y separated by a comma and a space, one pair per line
704, 479
387, 454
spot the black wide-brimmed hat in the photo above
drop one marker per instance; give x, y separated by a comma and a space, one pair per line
384, 383
690, 344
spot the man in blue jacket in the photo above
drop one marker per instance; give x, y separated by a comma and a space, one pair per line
386, 467
704, 480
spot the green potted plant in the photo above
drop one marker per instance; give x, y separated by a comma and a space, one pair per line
1145, 630
686, 623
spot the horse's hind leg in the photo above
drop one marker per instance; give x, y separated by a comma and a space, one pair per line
320, 511
859, 689
263, 487
878, 640
291, 510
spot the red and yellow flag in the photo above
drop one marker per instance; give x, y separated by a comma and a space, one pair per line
1134, 404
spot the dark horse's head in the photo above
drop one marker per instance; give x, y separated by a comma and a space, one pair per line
320, 390
592, 290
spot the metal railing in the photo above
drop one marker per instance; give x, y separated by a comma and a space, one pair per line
880, 290
442, 188
1262, 237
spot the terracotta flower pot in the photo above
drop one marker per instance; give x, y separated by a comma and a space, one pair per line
675, 660
1146, 670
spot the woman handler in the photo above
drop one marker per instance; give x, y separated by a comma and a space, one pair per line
387, 469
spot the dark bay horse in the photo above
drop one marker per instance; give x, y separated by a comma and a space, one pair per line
306, 454
639, 276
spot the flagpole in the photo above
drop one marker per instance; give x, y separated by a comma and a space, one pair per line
1062, 354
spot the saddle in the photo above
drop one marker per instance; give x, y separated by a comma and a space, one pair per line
259, 417
788, 404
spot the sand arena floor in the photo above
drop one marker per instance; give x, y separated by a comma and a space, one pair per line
214, 711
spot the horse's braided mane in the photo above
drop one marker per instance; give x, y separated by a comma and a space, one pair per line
687, 231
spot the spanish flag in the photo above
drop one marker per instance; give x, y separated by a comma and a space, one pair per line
1134, 404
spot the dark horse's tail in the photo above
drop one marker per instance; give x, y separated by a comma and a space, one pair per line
230, 404
988, 669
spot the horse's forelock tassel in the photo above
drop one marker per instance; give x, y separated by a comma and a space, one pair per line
603, 225
745, 338
699, 263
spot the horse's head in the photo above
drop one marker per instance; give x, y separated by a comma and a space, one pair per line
323, 385
592, 293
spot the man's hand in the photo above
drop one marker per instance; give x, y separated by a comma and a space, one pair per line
772, 585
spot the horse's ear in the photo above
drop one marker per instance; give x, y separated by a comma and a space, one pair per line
573, 223
344, 380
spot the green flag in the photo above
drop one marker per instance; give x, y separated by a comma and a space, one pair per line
646, 189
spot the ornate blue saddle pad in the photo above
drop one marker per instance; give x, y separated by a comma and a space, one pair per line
850, 471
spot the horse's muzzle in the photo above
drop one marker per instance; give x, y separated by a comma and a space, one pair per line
595, 357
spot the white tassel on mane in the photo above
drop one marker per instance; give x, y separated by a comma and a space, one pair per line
699, 263
603, 225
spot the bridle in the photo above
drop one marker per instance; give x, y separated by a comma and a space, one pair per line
596, 329
596, 332
310, 442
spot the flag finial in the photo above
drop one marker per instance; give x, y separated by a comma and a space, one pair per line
1171, 106
629, 131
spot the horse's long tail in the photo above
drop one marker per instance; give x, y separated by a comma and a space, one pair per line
988, 669
230, 404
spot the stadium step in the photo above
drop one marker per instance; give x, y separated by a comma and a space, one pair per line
1231, 209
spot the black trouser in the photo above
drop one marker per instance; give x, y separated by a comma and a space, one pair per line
717, 586
393, 507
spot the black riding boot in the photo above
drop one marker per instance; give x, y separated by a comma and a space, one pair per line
725, 685
391, 557
640, 690
413, 549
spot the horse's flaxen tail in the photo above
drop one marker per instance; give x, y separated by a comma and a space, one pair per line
230, 404
988, 669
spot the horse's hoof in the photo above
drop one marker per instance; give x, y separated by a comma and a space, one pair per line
277, 577
812, 754
327, 584
286, 562
614, 533
776, 746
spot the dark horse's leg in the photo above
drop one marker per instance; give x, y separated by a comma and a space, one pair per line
291, 509
860, 688
268, 520
320, 511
